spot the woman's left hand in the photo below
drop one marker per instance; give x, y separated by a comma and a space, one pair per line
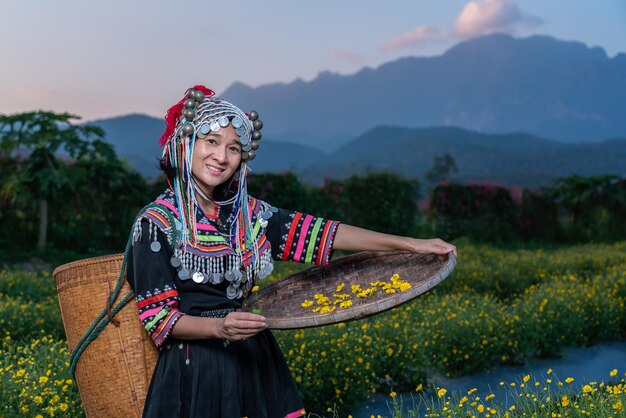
430, 246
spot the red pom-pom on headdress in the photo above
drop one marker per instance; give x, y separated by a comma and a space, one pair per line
174, 112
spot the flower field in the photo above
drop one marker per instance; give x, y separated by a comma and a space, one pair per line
498, 307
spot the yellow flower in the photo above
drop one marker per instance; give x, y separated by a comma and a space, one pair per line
471, 391
613, 372
564, 401
441, 392
43, 379
549, 371
481, 408
569, 380
404, 286
490, 397
389, 351
37, 399
586, 388
419, 388
355, 288
63, 407
526, 378
307, 303
512, 408
618, 405
255, 289
340, 287
346, 304
393, 394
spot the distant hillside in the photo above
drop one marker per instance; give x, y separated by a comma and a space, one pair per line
494, 84
514, 159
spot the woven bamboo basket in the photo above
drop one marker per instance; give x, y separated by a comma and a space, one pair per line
281, 302
114, 372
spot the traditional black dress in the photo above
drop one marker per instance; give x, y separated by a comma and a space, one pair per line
206, 378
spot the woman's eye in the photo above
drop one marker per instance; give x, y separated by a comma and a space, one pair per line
235, 149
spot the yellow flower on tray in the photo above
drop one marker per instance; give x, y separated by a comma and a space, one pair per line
340, 287
307, 303
346, 304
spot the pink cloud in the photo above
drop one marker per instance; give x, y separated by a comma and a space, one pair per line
349, 57
478, 17
417, 36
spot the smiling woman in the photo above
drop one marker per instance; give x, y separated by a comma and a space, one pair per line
198, 250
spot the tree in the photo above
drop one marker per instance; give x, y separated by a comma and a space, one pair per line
444, 166
41, 136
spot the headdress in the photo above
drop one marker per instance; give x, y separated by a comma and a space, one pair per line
196, 115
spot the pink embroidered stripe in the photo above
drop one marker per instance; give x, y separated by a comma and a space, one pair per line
303, 233
167, 205
295, 414
206, 227
153, 311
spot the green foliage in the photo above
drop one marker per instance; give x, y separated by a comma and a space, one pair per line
482, 212
281, 190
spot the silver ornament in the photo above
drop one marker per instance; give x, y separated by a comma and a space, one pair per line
191, 94
188, 129
175, 262
237, 122
215, 127
199, 96
253, 115
190, 103
223, 121
251, 155
205, 128
184, 274
258, 124
255, 145
197, 277
189, 114
244, 155
155, 246
257, 135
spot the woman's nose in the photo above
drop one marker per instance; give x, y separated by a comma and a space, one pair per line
219, 153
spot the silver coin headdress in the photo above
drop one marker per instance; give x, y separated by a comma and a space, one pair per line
195, 116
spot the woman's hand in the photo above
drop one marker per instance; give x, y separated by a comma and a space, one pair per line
430, 246
237, 326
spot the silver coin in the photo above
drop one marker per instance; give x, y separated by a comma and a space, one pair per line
263, 223
178, 225
205, 128
184, 274
215, 126
244, 139
217, 278
273, 209
230, 275
197, 277
247, 147
240, 131
231, 292
270, 268
206, 278
248, 285
155, 246
223, 121
239, 294
238, 275
266, 215
237, 122
175, 262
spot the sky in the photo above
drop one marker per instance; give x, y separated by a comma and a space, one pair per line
109, 58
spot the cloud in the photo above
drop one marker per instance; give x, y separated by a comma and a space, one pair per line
417, 36
349, 57
478, 17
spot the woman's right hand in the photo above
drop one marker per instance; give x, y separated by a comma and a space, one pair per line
237, 326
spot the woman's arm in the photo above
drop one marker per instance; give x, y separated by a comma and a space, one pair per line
352, 238
235, 326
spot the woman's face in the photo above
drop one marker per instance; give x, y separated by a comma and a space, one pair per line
215, 158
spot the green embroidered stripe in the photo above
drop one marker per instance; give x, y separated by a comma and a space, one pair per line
211, 238
255, 231
163, 312
311, 248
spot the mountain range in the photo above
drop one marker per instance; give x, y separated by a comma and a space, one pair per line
489, 102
